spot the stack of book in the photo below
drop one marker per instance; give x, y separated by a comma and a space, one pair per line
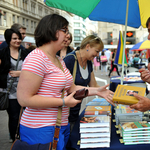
123, 113
95, 132
135, 132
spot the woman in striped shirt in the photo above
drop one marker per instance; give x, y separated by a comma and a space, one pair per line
41, 83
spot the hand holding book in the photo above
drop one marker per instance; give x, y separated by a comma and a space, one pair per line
143, 103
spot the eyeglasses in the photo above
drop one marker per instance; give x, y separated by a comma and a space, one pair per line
66, 31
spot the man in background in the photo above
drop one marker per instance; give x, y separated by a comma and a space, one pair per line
21, 29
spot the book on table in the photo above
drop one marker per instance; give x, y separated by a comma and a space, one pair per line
94, 145
96, 135
94, 140
144, 141
95, 121
124, 94
97, 110
134, 126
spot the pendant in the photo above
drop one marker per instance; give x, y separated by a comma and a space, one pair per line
83, 67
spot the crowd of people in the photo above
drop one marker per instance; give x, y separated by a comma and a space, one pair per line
47, 69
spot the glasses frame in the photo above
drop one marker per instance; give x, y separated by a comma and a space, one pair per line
66, 31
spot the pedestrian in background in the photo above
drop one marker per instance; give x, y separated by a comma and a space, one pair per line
8, 60
103, 63
21, 29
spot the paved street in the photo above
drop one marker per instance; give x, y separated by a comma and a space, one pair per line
4, 135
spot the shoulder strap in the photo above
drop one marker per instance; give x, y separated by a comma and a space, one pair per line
74, 68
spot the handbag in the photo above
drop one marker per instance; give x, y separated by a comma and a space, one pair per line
21, 145
4, 95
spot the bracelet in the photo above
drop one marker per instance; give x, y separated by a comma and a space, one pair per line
63, 102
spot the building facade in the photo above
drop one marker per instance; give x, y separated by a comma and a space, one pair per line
28, 13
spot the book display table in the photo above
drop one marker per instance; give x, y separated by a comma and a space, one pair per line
114, 144
115, 80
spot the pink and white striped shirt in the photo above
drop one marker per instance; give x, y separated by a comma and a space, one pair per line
54, 81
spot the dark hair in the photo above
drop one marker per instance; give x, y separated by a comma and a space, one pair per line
102, 53
48, 26
70, 37
8, 35
149, 60
147, 22
17, 26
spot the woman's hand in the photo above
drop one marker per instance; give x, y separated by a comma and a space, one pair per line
70, 101
105, 93
143, 104
15, 73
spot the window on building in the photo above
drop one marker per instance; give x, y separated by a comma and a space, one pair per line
5, 23
76, 18
77, 44
130, 37
17, 19
83, 26
40, 10
46, 12
109, 39
33, 7
15, 2
27, 24
76, 24
25, 4
14, 19
83, 32
0, 20
23, 22
77, 38
76, 31
32, 26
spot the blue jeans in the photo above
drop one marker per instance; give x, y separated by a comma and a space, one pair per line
45, 135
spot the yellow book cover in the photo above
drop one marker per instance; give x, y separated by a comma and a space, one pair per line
98, 110
124, 94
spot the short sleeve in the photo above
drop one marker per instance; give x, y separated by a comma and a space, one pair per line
69, 61
35, 63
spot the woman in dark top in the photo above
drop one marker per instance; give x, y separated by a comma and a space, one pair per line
8, 60
90, 48
66, 49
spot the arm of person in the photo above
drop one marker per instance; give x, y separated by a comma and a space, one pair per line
28, 86
99, 91
143, 104
110, 58
0, 61
15, 73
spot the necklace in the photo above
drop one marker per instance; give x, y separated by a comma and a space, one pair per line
81, 60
